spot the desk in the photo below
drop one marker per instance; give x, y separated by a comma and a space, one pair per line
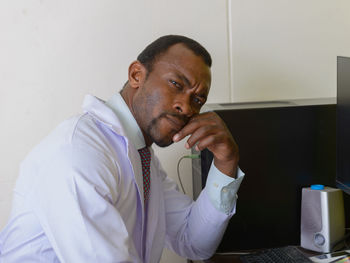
221, 259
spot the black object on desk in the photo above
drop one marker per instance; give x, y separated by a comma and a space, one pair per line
287, 254
275, 255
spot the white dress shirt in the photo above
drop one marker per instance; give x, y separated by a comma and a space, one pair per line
79, 198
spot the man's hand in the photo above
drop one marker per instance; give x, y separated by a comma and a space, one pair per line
208, 130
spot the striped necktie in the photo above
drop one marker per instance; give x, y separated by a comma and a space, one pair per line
145, 155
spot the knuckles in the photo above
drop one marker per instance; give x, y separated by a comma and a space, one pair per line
208, 119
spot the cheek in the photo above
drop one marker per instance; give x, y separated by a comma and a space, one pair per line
158, 101
153, 99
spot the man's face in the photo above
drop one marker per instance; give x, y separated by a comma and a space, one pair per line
173, 92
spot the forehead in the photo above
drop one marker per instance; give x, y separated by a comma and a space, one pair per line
181, 60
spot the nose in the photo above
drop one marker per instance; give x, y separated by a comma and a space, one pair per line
183, 106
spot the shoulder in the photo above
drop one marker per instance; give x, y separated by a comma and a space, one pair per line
79, 151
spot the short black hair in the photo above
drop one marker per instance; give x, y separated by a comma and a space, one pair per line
149, 55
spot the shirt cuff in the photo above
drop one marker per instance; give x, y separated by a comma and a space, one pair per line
222, 189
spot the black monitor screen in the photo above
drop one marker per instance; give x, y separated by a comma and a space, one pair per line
343, 124
282, 149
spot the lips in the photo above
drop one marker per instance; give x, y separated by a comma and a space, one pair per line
177, 123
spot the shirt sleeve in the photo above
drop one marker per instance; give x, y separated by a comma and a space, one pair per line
74, 202
193, 229
222, 189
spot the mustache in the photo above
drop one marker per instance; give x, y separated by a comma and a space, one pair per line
182, 118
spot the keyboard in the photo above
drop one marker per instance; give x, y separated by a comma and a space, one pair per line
287, 254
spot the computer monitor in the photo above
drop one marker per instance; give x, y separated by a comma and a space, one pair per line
343, 124
284, 146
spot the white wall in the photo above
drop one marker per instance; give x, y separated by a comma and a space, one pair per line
54, 52
287, 49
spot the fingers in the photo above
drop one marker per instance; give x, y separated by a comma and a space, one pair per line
205, 143
204, 130
208, 131
203, 136
197, 122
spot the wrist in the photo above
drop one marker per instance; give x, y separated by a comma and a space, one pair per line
228, 168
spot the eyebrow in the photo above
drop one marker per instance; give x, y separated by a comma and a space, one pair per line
183, 78
188, 83
202, 96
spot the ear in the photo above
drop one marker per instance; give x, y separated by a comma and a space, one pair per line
137, 74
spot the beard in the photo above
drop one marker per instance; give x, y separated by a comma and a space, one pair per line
153, 129
143, 111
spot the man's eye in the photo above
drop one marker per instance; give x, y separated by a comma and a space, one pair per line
174, 83
198, 101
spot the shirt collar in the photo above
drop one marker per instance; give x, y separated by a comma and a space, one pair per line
133, 132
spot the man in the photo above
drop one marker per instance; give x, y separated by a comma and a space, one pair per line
85, 194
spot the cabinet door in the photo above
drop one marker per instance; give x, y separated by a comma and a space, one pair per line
287, 49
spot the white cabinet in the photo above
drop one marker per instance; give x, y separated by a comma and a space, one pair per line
287, 49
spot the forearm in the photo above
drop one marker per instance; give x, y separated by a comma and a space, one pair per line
199, 234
